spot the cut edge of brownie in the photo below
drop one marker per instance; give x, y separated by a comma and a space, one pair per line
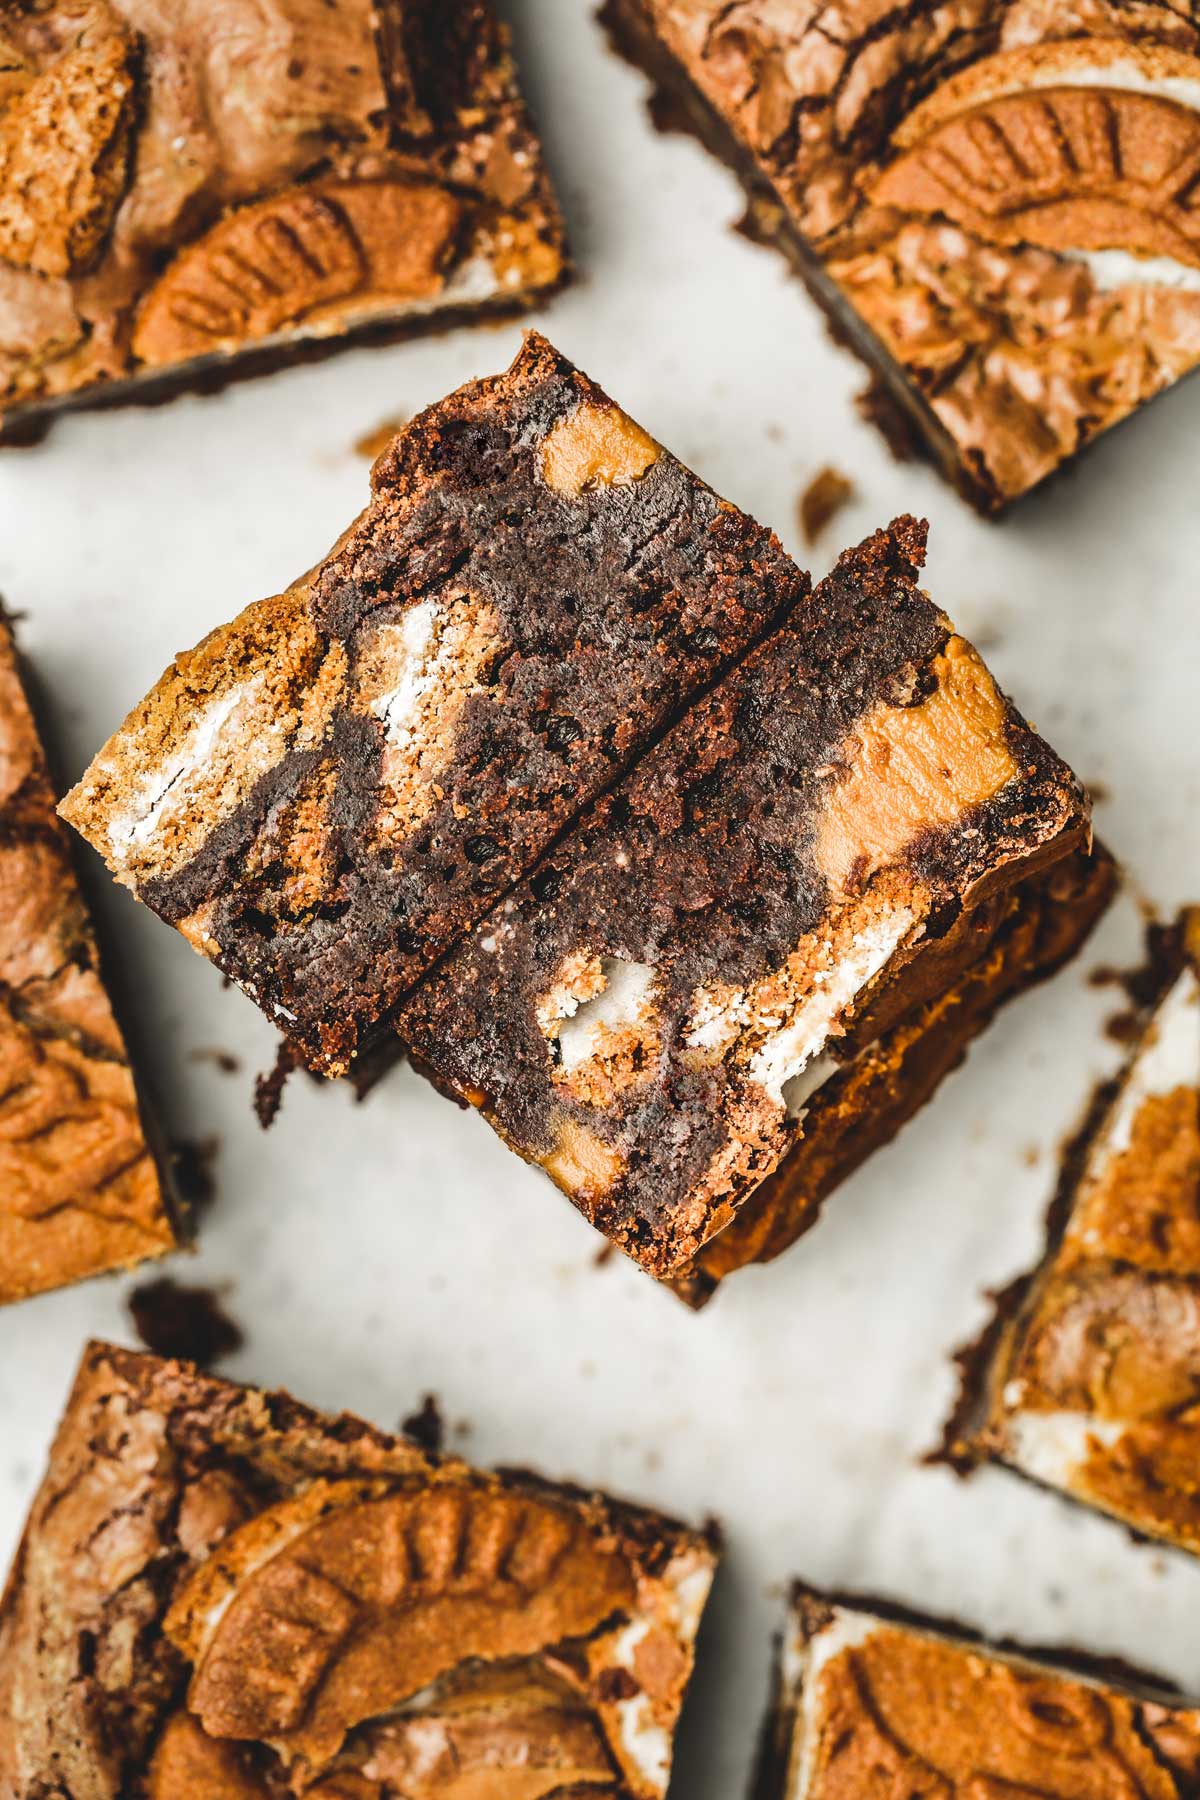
74, 1252
974, 1434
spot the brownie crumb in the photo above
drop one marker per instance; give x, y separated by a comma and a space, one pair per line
220, 1059
268, 1088
188, 1324
191, 1161
373, 443
822, 500
426, 1427
603, 1255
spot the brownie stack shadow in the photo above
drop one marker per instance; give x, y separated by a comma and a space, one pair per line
719, 874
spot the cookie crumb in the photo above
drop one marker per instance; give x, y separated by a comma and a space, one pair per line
426, 1427
824, 497
373, 443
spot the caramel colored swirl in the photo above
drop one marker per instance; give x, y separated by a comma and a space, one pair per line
902, 1714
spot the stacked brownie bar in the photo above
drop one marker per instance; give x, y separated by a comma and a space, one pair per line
781, 928
191, 189
221, 1592
80, 1189
992, 199
325, 794
873, 1702
1090, 1380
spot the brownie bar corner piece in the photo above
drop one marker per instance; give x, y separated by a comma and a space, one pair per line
992, 202
222, 1592
192, 192
776, 934
81, 1190
872, 1700
1087, 1380
326, 793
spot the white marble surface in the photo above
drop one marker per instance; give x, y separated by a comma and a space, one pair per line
375, 1252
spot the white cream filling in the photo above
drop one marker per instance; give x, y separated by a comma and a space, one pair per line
647, 1744
622, 1001
804, 1659
780, 1062
1126, 75
1113, 269
165, 788
1168, 1058
406, 647
1054, 1446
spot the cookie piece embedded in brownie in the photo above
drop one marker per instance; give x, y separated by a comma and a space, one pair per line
80, 1190
796, 868
189, 192
325, 794
222, 1591
872, 1700
1090, 1380
991, 198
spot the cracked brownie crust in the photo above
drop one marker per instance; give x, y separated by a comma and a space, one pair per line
324, 794
993, 199
1089, 1381
79, 1187
780, 881
223, 1594
872, 1700
180, 185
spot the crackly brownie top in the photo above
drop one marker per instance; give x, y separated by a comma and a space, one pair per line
647, 1015
1002, 189
221, 1592
325, 793
180, 180
1097, 1385
79, 1190
874, 1704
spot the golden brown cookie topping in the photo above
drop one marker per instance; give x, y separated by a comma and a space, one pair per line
64, 140
948, 1720
79, 1188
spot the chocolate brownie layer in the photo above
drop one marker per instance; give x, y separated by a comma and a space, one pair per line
1090, 1380
222, 1593
79, 1187
326, 793
779, 882
181, 184
991, 198
1006, 944
873, 1701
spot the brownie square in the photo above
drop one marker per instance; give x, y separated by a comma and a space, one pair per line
220, 1591
1089, 1380
325, 794
824, 847
194, 189
80, 1190
872, 1701
993, 200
